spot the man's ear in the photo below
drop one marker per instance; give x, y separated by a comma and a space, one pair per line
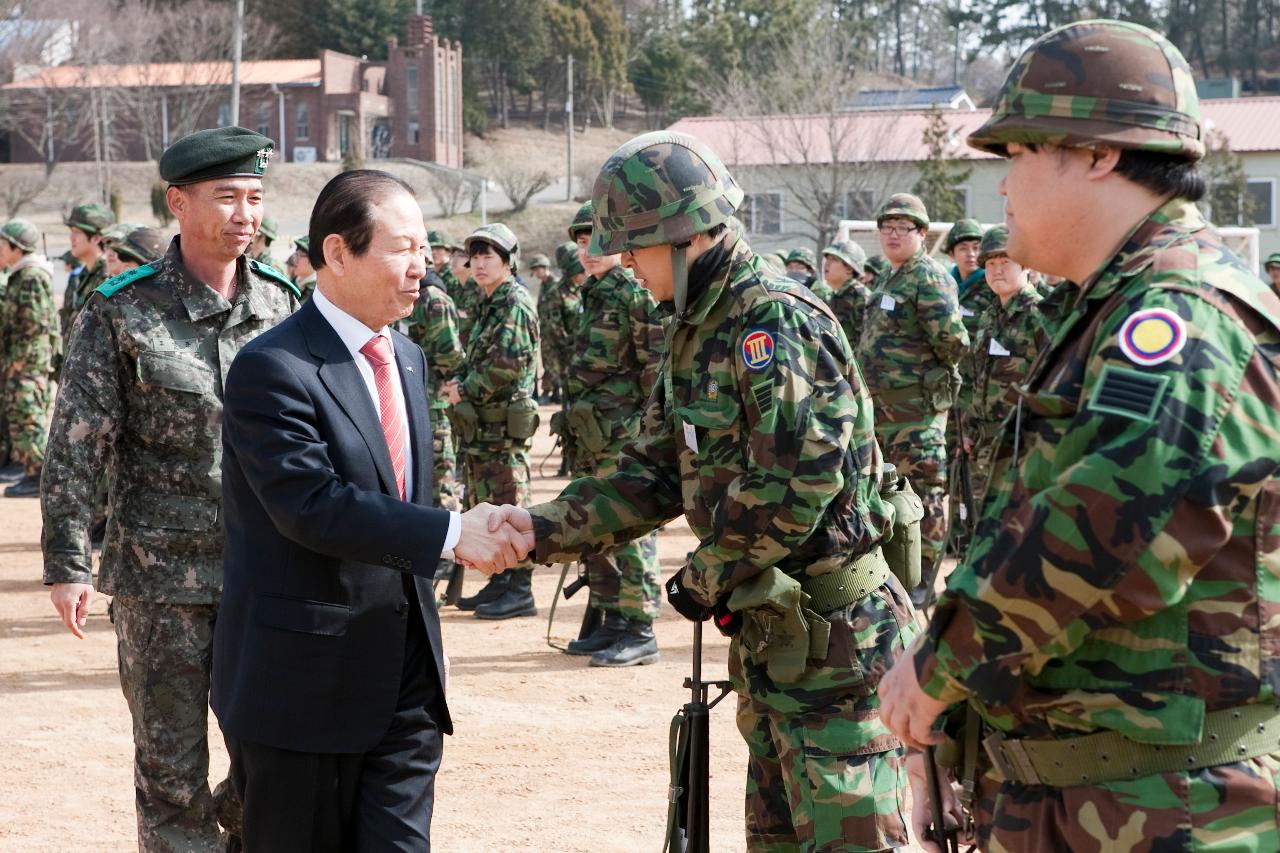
335, 253
177, 201
1102, 162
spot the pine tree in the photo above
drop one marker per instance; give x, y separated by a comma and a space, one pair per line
942, 175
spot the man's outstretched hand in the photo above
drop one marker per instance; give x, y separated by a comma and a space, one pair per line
489, 545
516, 517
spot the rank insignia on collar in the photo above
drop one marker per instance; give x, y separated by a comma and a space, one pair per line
1152, 336
757, 349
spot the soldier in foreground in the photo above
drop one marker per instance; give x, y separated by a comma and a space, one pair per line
843, 263
618, 351
494, 410
1113, 622
141, 401
30, 341
912, 342
760, 434
85, 225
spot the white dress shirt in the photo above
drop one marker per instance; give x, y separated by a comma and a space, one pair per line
355, 335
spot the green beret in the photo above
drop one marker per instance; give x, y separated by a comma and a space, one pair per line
269, 228
220, 152
90, 218
1273, 260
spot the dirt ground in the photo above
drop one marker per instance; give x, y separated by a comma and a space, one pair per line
549, 755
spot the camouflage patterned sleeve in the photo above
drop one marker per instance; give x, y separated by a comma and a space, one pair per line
32, 325
648, 338
593, 514
87, 421
1110, 525
798, 415
506, 362
938, 311
441, 341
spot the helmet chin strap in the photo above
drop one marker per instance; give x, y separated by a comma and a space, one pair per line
680, 277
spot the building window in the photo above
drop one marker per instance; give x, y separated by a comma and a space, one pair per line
263, 119
224, 115
1227, 208
761, 213
1263, 193
411, 90
414, 133
858, 204
301, 121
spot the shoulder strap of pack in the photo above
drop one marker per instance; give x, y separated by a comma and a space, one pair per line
114, 285
268, 271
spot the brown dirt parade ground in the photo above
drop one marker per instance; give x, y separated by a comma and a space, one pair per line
550, 755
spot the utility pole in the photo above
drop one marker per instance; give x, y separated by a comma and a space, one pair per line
568, 113
237, 36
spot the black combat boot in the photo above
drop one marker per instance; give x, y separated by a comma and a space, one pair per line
491, 591
11, 472
27, 487
636, 647
609, 632
516, 600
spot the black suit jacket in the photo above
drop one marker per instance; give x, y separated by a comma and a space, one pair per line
310, 635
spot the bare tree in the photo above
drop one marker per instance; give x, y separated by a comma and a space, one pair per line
20, 188
453, 192
805, 142
521, 180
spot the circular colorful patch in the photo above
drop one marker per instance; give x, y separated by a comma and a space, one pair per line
757, 349
1152, 336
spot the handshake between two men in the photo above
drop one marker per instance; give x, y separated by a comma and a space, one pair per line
494, 538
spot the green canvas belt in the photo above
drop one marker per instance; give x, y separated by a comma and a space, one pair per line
492, 416
1232, 734
837, 590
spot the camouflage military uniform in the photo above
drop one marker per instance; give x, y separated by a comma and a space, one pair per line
912, 341
619, 351
974, 296
759, 433
30, 341
849, 304
142, 401
500, 368
467, 301
1006, 340
549, 318
89, 280
433, 325
1118, 601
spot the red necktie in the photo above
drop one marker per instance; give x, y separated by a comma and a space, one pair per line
378, 351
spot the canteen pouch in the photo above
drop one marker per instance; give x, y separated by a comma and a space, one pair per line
466, 420
522, 419
778, 631
586, 427
941, 387
902, 549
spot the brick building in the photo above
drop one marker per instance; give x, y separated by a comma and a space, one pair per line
315, 109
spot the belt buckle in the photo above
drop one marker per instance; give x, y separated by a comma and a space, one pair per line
1010, 759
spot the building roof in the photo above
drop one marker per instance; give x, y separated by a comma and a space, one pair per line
880, 99
896, 136
282, 72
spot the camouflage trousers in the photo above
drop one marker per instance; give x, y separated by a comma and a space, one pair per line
627, 579
915, 441
499, 476
1231, 807
165, 654
27, 401
824, 775
444, 471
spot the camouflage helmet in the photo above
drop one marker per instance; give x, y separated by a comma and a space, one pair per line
581, 222
850, 253
1097, 82
566, 252
439, 240
963, 229
21, 234
497, 235
572, 266
115, 233
304, 243
92, 219
269, 228
878, 265
994, 242
904, 206
539, 260
143, 244
803, 255
1273, 260
660, 189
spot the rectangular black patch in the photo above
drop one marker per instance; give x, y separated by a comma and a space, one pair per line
1128, 393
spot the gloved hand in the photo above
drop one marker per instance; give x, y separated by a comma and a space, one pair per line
728, 622
684, 602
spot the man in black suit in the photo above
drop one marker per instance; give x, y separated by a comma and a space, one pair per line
328, 675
